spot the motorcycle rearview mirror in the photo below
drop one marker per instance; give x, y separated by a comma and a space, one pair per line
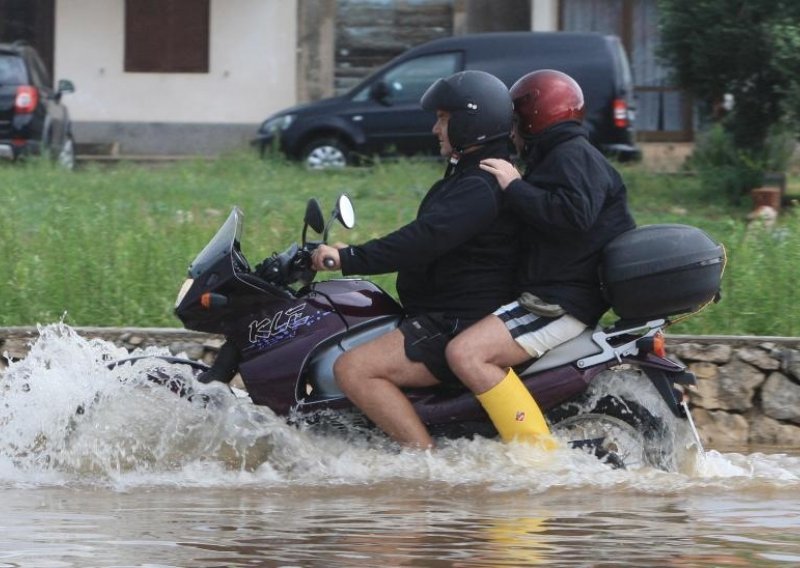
344, 213
313, 218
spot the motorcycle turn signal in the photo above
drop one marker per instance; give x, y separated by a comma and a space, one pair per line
210, 300
655, 344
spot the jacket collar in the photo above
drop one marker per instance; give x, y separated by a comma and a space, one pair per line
495, 149
538, 146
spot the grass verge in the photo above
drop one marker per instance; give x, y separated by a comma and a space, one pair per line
109, 245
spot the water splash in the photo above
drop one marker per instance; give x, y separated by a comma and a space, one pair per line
66, 418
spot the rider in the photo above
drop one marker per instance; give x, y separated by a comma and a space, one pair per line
572, 202
455, 262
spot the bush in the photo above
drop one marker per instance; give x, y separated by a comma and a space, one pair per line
729, 172
724, 170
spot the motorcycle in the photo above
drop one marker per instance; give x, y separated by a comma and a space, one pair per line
289, 331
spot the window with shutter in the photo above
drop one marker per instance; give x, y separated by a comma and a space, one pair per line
166, 36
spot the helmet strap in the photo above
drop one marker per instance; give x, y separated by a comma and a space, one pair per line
452, 162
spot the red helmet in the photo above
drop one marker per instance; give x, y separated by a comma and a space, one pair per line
544, 98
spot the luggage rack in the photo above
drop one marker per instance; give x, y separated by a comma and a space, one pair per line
608, 351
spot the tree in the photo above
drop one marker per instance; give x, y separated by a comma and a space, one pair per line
747, 48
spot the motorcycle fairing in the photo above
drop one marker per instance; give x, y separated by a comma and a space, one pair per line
317, 383
222, 270
275, 341
284, 362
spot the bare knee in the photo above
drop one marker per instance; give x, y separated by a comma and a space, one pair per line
462, 355
344, 371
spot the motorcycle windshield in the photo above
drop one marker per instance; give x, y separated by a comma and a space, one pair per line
221, 245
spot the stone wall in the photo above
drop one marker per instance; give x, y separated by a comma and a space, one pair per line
748, 389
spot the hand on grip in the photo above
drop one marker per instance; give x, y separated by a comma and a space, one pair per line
325, 258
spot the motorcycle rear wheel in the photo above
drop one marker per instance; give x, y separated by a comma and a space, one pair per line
612, 440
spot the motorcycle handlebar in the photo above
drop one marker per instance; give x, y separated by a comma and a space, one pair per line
329, 262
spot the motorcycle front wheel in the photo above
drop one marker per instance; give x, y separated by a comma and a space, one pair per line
172, 373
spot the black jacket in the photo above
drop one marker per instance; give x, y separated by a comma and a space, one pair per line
460, 255
572, 202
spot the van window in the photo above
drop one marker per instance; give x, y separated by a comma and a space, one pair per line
407, 82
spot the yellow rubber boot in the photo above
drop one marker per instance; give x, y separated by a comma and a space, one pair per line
514, 412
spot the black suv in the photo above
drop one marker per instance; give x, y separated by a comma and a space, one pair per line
382, 114
32, 118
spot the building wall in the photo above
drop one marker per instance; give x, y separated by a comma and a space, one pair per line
544, 15
371, 32
263, 59
479, 16
252, 73
316, 32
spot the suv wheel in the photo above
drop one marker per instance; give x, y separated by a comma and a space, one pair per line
66, 157
324, 153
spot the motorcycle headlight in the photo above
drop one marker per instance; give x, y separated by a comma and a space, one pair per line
184, 289
272, 125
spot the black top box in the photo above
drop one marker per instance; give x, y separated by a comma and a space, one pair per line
656, 271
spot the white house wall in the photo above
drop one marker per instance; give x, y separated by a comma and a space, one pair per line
544, 15
252, 73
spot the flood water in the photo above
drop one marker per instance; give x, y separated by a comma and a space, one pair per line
98, 470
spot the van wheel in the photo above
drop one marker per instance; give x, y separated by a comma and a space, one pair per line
325, 153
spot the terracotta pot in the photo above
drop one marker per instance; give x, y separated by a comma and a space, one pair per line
766, 196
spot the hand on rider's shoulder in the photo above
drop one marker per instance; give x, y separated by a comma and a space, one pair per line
503, 171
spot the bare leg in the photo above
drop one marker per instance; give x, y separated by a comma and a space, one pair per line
482, 354
372, 374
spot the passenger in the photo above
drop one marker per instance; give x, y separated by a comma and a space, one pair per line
455, 262
572, 202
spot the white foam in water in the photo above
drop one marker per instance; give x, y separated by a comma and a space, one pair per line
67, 418
776, 467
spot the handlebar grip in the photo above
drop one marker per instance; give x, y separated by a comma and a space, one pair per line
328, 262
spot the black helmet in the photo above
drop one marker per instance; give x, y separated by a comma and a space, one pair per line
479, 105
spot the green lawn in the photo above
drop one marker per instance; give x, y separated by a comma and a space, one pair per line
109, 245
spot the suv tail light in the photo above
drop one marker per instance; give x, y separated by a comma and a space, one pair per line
620, 113
27, 99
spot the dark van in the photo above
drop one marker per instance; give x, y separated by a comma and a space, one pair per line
382, 116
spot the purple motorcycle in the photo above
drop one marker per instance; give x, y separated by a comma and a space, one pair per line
611, 391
